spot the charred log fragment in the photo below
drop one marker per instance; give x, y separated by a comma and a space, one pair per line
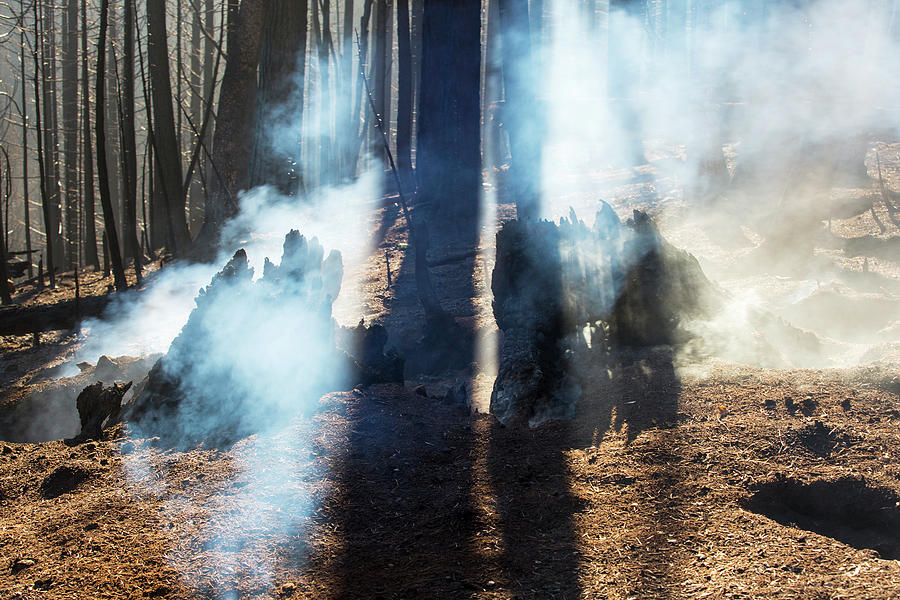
24, 320
97, 404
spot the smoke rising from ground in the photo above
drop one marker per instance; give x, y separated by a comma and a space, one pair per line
755, 126
267, 356
145, 323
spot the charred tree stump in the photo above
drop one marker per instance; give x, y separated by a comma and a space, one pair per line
96, 404
551, 281
254, 353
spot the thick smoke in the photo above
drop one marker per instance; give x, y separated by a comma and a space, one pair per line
148, 321
277, 351
744, 130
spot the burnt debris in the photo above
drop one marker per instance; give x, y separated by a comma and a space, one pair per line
622, 282
97, 405
255, 352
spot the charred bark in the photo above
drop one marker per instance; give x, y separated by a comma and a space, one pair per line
404, 96
90, 232
97, 405
129, 146
70, 127
168, 158
280, 102
235, 119
523, 117
207, 390
449, 120
109, 221
21, 320
625, 282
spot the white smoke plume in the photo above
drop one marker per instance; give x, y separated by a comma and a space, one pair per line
788, 95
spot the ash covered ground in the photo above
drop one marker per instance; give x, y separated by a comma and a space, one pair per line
743, 470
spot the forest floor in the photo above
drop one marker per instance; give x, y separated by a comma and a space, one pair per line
680, 477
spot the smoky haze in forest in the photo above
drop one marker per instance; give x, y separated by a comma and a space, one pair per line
772, 81
148, 322
267, 356
754, 124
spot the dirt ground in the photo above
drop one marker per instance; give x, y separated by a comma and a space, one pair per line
680, 477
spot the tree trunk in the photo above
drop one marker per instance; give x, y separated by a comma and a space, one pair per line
388, 68
49, 132
51, 224
235, 119
5, 297
167, 157
449, 140
113, 132
281, 70
624, 77
523, 118
379, 72
90, 233
24, 111
129, 146
195, 191
347, 132
70, 126
404, 96
105, 196
209, 89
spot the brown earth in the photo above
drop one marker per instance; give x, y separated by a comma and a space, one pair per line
680, 478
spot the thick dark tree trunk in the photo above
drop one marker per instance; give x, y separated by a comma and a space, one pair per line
49, 132
90, 233
404, 96
235, 118
167, 157
523, 116
448, 161
109, 222
379, 54
280, 103
129, 147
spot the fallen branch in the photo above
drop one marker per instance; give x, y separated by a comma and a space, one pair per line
25, 320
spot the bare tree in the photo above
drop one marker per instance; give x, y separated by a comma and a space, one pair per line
448, 162
276, 156
24, 110
47, 129
129, 145
235, 119
109, 222
523, 119
404, 95
70, 126
90, 233
166, 144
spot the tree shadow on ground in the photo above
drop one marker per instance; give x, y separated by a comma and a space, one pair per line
529, 470
403, 505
